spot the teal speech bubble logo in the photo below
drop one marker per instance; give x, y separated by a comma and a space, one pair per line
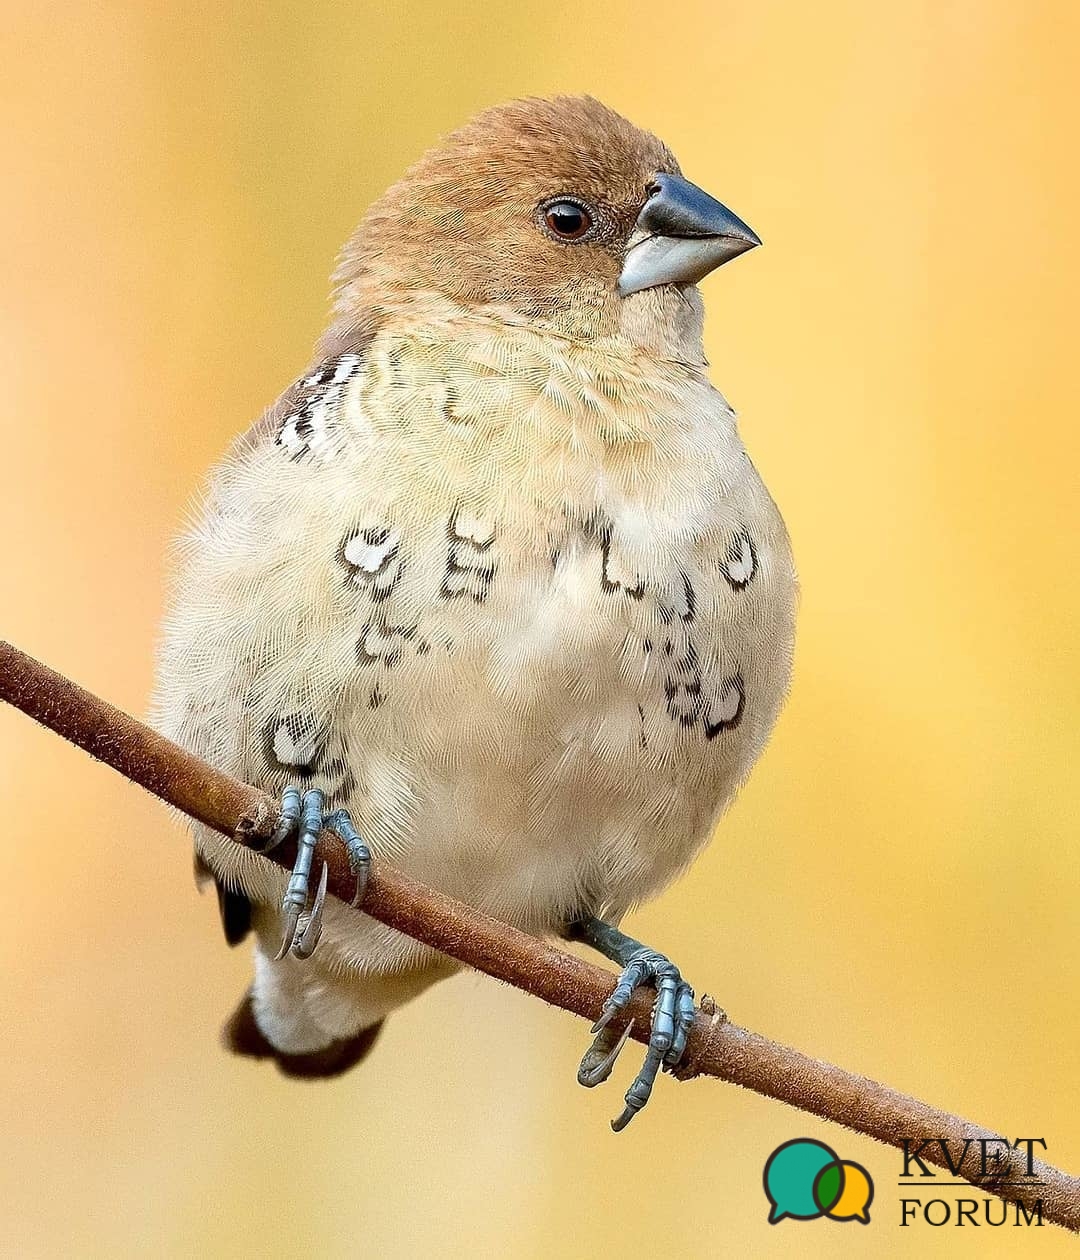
805, 1179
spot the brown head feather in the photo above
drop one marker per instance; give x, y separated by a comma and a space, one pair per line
462, 223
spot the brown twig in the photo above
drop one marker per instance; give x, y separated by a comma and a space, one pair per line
715, 1047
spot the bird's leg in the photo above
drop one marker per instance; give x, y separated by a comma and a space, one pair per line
673, 1012
307, 812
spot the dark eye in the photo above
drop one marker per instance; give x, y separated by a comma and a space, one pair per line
566, 219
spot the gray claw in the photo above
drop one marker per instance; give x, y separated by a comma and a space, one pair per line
592, 1073
641, 1089
604, 1020
304, 944
288, 820
292, 918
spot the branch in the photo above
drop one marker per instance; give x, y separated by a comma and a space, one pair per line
715, 1047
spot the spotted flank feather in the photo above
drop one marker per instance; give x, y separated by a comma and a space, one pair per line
313, 407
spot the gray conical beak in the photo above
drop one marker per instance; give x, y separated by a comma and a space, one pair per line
687, 234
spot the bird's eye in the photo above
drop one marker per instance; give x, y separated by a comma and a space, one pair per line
567, 220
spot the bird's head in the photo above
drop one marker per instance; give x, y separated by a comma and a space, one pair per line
557, 212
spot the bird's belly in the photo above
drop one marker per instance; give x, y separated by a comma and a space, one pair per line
589, 746
547, 734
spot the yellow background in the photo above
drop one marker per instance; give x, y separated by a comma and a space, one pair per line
897, 890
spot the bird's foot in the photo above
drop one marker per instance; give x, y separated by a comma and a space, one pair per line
306, 814
672, 1017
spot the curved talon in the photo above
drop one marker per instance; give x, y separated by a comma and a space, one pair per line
591, 1074
305, 942
640, 1090
292, 918
672, 1016
608, 1013
288, 819
361, 886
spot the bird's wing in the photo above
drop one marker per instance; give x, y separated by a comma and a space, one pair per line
218, 641
297, 644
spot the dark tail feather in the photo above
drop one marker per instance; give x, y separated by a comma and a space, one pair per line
242, 1035
234, 907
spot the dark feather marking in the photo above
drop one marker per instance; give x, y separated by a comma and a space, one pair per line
684, 693
469, 570
607, 584
380, 582
714, 729
235, 910
299, 403
384, 630
734, 556
299, 727
691, 599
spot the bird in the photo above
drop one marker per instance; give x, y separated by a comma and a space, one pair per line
493, 590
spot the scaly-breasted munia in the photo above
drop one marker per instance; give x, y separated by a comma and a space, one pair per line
493, 589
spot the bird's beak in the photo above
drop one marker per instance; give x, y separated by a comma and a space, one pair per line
681, 235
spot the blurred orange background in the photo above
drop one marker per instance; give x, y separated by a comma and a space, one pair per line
896, 890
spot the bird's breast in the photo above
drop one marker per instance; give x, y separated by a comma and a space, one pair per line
529, 618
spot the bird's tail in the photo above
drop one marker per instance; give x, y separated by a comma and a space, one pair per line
242, 1035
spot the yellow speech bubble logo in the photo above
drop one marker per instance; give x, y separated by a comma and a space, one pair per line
855, 1195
